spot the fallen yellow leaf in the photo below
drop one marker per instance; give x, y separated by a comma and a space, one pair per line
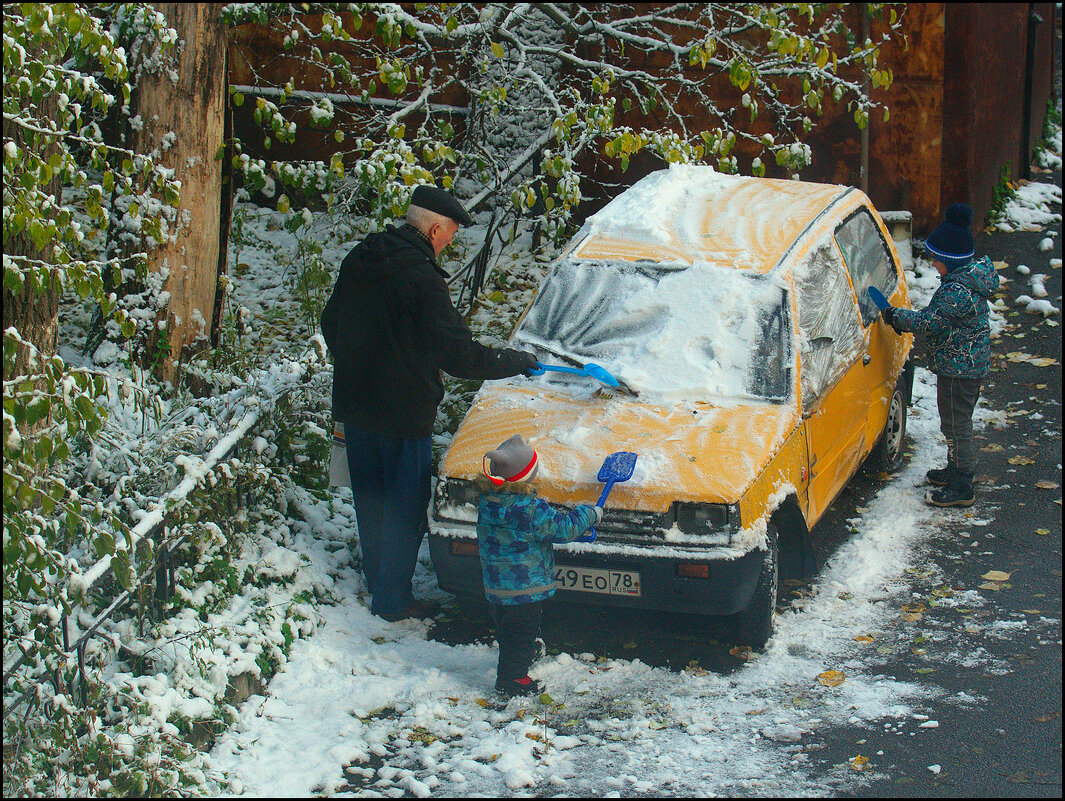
832, 678
859, 762
911, 617
996, 575
863, 638
480, 702
1021, 460
1047, 484
1042, 532
992, 448
914, 607
990, 585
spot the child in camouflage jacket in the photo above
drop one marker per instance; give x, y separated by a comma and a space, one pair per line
515, 532
958, 333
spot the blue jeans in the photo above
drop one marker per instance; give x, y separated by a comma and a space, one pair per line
390, 480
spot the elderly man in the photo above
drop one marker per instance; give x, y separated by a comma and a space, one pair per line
391, 328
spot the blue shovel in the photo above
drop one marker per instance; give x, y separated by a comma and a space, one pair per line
878, 297
616, 467
590, 369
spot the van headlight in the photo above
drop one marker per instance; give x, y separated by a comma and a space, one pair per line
457, 499
710, 522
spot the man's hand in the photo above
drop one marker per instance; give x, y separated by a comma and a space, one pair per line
528, 363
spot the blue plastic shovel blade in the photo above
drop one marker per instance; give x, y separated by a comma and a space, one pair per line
616, 467
878, 297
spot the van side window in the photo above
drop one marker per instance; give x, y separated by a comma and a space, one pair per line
868, 259
830, 338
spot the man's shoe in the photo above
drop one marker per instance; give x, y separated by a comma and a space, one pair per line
422, 610
519, 687
958, 492
938, 477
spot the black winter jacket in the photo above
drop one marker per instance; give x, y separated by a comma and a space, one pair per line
391, 327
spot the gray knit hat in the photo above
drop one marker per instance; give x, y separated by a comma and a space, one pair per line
514, 460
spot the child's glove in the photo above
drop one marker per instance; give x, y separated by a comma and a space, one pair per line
591, 535
888, 313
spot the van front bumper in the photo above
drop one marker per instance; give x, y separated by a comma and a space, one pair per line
727, 588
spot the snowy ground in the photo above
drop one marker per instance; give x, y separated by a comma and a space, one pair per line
417, 717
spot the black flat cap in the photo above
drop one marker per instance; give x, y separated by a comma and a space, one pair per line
441, 201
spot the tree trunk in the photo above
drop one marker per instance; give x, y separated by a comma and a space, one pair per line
194, 110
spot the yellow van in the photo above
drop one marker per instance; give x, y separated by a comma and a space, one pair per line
755, 378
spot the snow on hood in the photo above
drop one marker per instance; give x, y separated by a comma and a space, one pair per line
685, 452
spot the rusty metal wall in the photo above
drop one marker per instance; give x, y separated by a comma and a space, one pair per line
957, 110
956, 107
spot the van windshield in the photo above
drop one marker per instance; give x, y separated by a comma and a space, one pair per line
670, 332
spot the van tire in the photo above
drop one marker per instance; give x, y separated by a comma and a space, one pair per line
754, 625
887, 455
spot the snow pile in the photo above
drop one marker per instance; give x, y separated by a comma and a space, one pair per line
1029, 209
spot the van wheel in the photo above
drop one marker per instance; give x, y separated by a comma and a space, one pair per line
886, 457
754, 625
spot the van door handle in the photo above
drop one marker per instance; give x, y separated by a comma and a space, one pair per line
866, 358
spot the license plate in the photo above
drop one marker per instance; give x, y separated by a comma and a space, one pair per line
603, 581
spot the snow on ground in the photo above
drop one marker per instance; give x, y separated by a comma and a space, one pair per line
1029, 209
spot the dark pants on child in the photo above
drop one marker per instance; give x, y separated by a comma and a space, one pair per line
957, 399
517, 627
390, 481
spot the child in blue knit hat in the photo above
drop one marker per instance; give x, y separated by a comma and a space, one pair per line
515, 532
955, 322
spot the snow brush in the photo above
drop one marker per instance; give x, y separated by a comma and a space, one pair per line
878, 297
591, 370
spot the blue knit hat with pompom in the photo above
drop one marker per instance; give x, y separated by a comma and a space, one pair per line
952, 240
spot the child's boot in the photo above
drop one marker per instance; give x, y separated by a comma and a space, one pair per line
957, 492
521, 686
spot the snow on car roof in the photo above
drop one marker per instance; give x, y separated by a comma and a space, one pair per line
692, 213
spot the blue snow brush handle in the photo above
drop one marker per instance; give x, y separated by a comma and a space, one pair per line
589, 538
878, 297
591, 370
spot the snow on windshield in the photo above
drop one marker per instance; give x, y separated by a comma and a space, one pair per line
695, 333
